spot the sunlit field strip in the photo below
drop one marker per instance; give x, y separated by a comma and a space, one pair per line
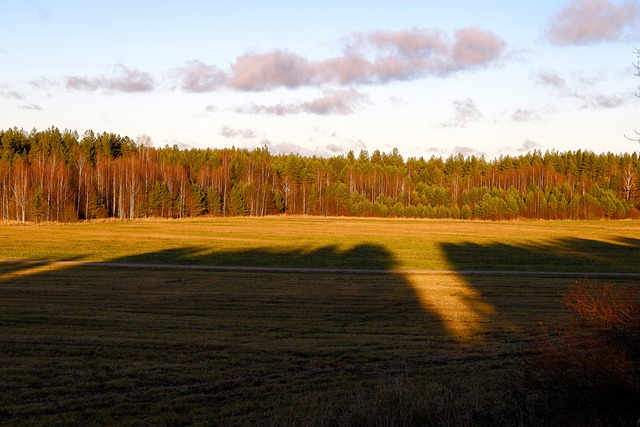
413, 244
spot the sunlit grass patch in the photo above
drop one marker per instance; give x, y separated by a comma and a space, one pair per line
460, 307
414, 244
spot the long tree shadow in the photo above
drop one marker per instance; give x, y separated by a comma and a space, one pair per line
621, 255
363, 257
530, 278
110, 345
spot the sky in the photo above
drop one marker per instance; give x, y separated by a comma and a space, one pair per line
430, 78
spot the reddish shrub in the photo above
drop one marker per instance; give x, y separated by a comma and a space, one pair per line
590, 364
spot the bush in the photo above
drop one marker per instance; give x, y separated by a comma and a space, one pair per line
587, 370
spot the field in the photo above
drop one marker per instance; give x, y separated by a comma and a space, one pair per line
432, 329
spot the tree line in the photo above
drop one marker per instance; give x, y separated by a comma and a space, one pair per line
54, 175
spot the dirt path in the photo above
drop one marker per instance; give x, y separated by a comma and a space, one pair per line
70, 264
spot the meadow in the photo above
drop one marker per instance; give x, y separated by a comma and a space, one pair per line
434, 329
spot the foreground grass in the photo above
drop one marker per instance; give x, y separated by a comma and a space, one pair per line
97, 345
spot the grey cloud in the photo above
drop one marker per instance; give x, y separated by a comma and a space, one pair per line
526, 147
592, 21
181, 145
584, 94
196, 76
397, 100
341, 102
435, 150
43, 83
11, 94
288, 148
336, 102
529, 145
604, 101
270, 70
31, 107
412, 42
383, 56
125, 79
474, 47
229, 132
465, 112
334, 148
466, 151
276, 109
524, 115
313, 148
552, 79
83, 83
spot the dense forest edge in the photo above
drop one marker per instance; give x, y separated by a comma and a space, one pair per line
54, 175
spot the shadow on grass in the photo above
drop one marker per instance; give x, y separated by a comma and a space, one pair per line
563, 255
514, 297
530, 301
369, 257
105, 345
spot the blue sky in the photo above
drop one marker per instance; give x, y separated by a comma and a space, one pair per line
321, 78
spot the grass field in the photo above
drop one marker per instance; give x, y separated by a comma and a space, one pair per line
606, 246
107, 345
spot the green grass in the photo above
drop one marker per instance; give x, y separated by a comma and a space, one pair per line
97, 345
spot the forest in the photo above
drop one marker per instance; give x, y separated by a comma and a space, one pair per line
62, 176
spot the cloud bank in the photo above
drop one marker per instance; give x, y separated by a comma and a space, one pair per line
585, 22
376, 57
368, 58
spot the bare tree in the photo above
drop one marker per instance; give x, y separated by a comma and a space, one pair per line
636, 138
144, 140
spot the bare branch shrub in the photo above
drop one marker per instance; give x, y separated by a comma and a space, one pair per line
590, 365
